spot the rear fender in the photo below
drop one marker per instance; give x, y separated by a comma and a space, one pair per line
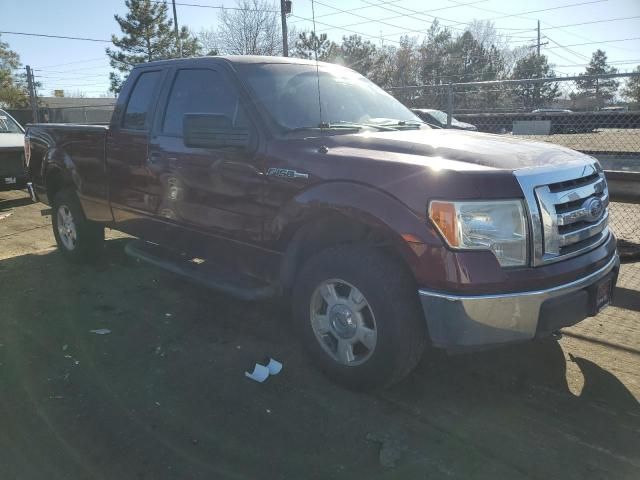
58, 164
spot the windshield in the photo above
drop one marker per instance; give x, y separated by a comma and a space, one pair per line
8, 124
289, 93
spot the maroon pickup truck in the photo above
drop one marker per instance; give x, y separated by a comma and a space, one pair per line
264, 177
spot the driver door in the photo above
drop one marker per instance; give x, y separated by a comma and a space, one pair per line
208, 196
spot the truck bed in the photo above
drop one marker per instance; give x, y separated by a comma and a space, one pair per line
76, 148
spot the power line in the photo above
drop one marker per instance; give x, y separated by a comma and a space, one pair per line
56, 36
416, 12
560, 27
590, 23
573, 52
615, 62
451, 26
72, 63
563, 58
534, 11
596, 43
73, 77
366, 35
218, 7
381, 20
368, 20
374, 5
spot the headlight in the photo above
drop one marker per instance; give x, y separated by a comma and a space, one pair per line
499, 226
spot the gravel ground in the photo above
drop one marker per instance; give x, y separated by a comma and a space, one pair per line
163, 395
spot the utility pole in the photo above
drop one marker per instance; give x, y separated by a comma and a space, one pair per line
285, 8
32, 95
539, 43
175, 27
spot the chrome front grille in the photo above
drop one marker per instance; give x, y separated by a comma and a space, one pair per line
568, 209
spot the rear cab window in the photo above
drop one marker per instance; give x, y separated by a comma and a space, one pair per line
140, 103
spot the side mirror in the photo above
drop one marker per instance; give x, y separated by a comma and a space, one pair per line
209, 130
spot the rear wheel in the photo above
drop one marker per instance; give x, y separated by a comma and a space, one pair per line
359, 316
77, 238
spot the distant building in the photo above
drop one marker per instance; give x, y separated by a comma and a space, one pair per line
75, 102
76, 110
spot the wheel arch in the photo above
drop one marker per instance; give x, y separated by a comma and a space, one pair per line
344, 212
56, 179
60, 172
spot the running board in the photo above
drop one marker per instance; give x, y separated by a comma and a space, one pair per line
197, 270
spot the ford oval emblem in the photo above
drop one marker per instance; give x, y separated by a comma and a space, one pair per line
593, 208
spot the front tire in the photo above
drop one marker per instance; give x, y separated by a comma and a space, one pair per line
78, 239
359, 316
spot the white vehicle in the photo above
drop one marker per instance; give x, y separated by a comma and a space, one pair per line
12, 168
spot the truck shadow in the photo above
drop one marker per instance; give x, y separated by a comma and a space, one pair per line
8, 204
168, 379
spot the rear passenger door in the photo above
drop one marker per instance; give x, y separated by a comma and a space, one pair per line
131, 183
214, 192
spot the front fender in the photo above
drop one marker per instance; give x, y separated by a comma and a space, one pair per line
409, 231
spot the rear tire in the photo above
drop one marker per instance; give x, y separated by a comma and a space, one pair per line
359, 317
78, 239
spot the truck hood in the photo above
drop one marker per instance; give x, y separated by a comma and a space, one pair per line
452, 149
11, 140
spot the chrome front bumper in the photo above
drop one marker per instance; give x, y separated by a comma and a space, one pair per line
475, 321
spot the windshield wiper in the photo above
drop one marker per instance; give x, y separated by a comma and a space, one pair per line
343, 127
377, 126
325, 126
402, 125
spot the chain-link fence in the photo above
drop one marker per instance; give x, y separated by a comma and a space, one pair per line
584, 113
86, 114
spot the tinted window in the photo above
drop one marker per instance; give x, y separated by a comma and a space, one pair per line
135, 117
201, 91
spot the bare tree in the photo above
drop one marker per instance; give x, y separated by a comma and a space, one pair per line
208, 39
252, 29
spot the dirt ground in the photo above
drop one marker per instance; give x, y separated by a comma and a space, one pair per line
163, 395
603, 140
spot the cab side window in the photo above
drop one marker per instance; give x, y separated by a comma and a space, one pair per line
136, 115
201, 91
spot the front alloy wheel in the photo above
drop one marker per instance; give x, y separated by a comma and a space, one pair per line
358, 314
343, 322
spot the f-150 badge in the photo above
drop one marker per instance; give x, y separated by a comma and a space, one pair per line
285, 173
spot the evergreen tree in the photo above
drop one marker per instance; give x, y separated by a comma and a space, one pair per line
632, 88
597, 92
13, 92
534, 95
433, 55
308, 43
148, 35
357, 54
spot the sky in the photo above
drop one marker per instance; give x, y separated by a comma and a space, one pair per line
74, 65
